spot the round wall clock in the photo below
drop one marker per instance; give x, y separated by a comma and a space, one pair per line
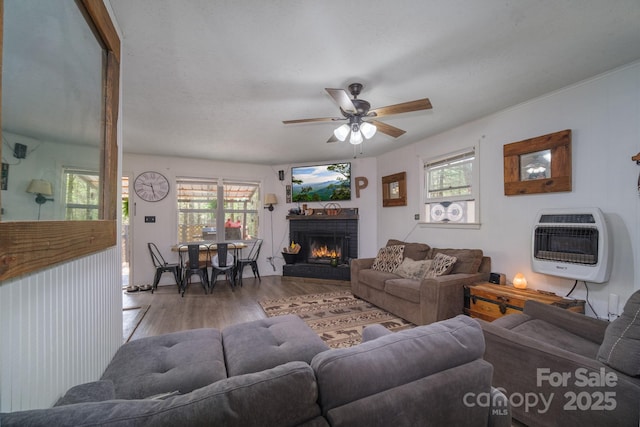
151, 186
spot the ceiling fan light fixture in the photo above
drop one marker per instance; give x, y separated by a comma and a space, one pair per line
368, 130
356, 138
341, 132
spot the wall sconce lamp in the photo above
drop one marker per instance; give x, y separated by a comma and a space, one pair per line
519, 281
41, 188
270, 199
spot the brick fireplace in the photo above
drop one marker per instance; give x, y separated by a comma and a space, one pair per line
323, 238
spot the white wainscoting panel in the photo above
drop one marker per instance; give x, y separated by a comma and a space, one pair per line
58, 328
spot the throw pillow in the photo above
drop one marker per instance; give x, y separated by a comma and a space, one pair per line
620, 348
442, 264
388, 258
411, 269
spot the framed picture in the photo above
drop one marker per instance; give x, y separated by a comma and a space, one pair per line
394, 190
538, 165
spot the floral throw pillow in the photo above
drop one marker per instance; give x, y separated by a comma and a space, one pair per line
388, 258
442, 264
411, 269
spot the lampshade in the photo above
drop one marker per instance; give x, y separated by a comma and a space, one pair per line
270, 199
356, 138
342, 131
40, 186
368, 130
519, 282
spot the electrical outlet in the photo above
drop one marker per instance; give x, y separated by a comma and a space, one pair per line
149, 219
416, 217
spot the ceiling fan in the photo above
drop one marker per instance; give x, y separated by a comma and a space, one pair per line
360, 116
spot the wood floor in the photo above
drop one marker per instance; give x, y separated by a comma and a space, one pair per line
169, 312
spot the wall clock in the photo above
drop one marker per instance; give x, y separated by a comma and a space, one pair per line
151, 186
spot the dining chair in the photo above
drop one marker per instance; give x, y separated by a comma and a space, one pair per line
223, 262
251, 259
193, 265
163, 266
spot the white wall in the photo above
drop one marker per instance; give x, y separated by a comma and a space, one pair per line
604, 116
274, 227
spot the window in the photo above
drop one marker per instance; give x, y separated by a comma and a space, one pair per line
451, 188
82, 194
200, 215
241, 210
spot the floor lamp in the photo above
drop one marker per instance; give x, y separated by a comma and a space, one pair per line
269, 200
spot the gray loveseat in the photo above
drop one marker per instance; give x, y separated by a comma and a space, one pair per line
430, 375
420, 300
564, 368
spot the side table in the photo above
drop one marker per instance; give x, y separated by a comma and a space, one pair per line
489, 301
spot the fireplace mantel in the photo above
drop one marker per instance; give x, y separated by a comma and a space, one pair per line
321, 214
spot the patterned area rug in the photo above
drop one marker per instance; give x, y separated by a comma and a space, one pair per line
338, 317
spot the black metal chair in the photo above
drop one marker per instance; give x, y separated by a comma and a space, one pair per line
223, 263
163, 266
251, 259
191, 264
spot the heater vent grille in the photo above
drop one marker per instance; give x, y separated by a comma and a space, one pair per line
572, 243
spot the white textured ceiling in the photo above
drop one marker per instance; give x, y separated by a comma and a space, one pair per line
214, 79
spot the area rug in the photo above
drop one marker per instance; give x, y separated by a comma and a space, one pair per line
131, 318
337, 317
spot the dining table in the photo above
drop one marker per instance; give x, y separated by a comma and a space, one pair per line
209, 249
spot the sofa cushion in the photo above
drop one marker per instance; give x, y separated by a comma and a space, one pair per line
620, 348
95, 391
344, 375
468, 260
388, 258
441, 265
558, 337
155, 365
266, 343
375, 279
371, 332
415, 251
410, 269
407, 289
285, 395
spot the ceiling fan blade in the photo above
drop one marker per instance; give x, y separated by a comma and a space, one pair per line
405, 107
342, 99
333, 139
318, 119
388, 129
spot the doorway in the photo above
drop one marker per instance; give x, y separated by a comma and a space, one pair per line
125, 236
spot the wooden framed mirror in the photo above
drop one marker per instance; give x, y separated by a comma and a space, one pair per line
394, 190
538, 165
27, 246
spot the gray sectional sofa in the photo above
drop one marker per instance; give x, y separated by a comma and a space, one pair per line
567, 366
420, 300
277, 372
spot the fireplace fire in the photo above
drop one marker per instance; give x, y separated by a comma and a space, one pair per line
322, 249
325, 252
